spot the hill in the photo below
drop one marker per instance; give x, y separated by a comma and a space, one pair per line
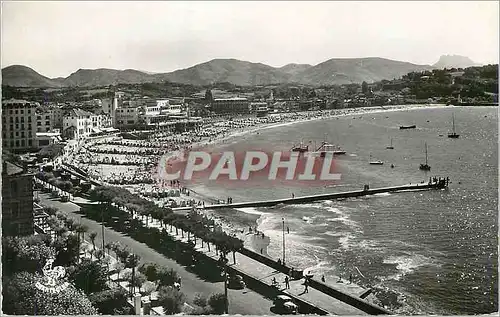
236, 72
339, 71
23, 76
106, 77
233, 71
294, 69
454, 61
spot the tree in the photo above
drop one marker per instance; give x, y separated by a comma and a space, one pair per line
89, 276
149, 287
167, 277
21, 297
25, 253
150, 270
208, 96
131, 262
93, 236
364, 87
218, 303
171, 300
111, 302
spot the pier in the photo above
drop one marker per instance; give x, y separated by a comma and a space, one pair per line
439, 184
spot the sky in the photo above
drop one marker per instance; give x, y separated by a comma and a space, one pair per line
58, 38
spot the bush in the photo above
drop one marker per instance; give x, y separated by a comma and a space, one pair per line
150, 270
21, 297
109, 302
200, 300
89, 276
218, 303
167, 277
171, 300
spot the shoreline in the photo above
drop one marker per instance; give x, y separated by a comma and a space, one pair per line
253, 241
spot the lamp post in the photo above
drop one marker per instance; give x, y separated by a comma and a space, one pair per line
283, 240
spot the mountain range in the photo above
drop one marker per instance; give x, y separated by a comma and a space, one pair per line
335, 71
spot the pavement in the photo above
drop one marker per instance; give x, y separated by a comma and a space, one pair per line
244, 302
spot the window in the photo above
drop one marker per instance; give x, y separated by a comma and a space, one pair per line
38, 123
30, 143
22, 111
23, 143
29, 126
29, 111
11, 144
39, 117
47, 117
47, 122
22, 134
17, 143
29, 119
22, 119
11, 119
17, 126
15, 111
17, 119
22, 126
17, 133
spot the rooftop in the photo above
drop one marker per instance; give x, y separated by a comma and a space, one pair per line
10, 169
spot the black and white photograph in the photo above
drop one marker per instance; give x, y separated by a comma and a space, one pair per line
249, 158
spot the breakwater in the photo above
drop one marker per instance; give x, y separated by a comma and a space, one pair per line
438, 184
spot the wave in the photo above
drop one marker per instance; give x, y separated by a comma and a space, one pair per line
251, 211
407, 264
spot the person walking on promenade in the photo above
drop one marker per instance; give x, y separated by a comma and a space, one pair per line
293, 195
287, 229
306, 286
287, 282
323, 279
350, 278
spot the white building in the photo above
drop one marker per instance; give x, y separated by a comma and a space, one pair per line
77, 124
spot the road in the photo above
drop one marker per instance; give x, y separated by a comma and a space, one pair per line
245, 302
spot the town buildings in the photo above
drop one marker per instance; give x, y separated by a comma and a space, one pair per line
17, 201
18, 125
231, 106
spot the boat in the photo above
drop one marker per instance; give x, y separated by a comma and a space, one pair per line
377, 162
404, 127
425, 167
390, 147
329, 148
453, 135
300, 148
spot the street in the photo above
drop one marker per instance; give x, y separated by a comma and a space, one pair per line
245, 302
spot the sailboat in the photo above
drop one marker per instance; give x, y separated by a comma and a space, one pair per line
326, 147
300, 148
390, 147
453, 135
425, 167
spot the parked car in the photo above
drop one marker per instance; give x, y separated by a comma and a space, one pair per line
236, 282
284, 305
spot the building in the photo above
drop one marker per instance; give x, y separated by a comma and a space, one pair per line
18, 126
77, 124
256, 105
231, 105
126, 117
17, 201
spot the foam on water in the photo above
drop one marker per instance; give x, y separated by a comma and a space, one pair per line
407, 264
251, 211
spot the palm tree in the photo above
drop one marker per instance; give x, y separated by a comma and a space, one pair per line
109, 247
93, 235
131, 262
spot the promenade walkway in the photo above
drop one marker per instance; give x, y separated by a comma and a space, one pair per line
265, 274
312, 198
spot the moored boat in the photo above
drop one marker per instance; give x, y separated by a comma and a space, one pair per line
404, 127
